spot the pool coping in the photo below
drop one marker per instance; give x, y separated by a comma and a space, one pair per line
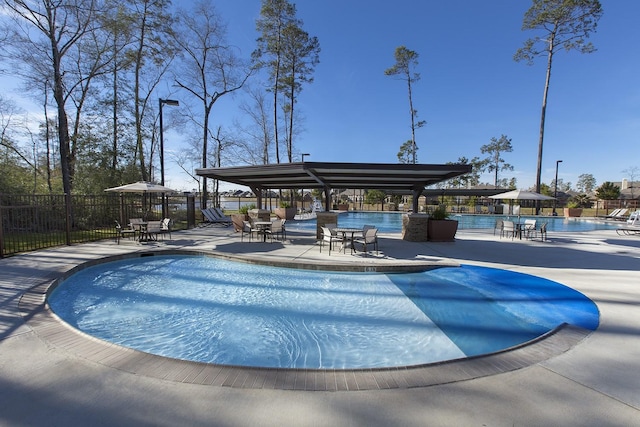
50, 328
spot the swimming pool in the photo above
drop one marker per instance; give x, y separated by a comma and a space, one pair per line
391, 222
216, 311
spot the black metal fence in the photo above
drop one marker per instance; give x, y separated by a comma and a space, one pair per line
30, 222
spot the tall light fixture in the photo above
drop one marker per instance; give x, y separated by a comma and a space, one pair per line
555, 189
303, 154
161, 103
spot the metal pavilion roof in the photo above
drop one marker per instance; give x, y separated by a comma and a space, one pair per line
392, 177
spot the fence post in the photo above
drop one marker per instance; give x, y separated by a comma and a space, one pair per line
191, 210
67, 205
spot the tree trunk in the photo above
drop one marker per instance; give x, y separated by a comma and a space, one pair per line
542, 119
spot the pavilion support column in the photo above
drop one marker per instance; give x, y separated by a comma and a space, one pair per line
258, 193
327, 199
416, 199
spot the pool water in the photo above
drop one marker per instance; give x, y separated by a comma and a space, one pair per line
217, 311
391, 222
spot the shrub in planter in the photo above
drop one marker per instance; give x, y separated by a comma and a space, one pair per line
286, 211
439, 227
242, 215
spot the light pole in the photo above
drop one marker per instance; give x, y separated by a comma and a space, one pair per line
161, 103
555, 189
302, 155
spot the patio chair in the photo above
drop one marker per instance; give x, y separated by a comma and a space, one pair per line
247, 228
277, 227
529, 229
166, 227
508, 228
151, 232
370, 239
137, 225
498, 226
543, 232
124, 232
328, 236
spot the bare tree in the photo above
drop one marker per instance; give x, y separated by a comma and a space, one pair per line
211, 70
62, 26
632, 172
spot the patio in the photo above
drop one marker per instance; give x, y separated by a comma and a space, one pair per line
593, 383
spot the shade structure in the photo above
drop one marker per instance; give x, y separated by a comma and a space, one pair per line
521, 195
141, 187
144, 188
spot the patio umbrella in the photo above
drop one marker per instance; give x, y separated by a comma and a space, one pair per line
520, 195
139, 187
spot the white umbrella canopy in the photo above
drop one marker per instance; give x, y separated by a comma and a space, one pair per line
521, 195
141, 187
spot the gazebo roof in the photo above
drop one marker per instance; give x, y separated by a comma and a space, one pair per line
392, 177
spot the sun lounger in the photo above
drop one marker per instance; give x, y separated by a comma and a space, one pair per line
620, 215
211, 217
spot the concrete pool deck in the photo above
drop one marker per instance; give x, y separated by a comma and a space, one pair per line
594, 382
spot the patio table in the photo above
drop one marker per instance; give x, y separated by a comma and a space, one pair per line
345, 240
263, 226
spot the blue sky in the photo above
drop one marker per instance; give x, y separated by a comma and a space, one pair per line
470, 90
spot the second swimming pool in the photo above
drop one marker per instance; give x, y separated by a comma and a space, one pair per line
391, 222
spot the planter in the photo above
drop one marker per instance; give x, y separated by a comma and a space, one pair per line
441, 230
343, 207
575, 212
238, 220
286, 213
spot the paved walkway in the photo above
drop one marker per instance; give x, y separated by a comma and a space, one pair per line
594, 382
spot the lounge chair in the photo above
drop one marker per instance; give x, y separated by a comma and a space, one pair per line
613, 213
620, 215
632, 226
211, 217
634, 218
221, 214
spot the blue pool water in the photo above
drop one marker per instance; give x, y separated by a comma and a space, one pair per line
391, 222
217, 311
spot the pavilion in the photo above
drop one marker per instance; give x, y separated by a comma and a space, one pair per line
395, 178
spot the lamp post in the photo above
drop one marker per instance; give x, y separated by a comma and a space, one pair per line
161, 103
555, 189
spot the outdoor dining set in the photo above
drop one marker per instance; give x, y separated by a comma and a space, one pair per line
528, 228
143, 231
348, 237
